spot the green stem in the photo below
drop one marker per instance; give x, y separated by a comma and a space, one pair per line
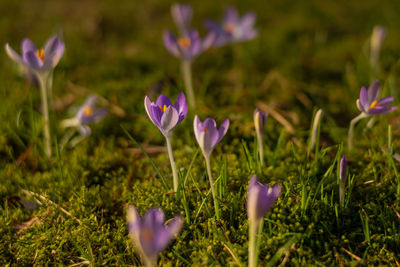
45, 109
351, 129
212, 186
252, 243
173, 165
187, 78
260, 148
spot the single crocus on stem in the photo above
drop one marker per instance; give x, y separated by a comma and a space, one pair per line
259, 124
40, 63
342, 178
166, 117
370, 105
208, 136
260, 199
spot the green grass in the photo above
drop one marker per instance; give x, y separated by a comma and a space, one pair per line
308, 55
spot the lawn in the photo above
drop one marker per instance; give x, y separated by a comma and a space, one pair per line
70, 209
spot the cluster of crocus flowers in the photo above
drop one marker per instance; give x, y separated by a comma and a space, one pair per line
259, 124
208, 136
260, 199
149, 233
166, 117
187, 46
86, 114
342, 179
38, 65
233, 28
370, 105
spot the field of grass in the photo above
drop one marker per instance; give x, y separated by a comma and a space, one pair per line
71, 209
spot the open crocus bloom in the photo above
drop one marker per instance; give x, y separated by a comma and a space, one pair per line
149, 233
207, 134
369, 104
188, 46
233, 27
86, 114
182, 15
165, 115
260, 198
38, 60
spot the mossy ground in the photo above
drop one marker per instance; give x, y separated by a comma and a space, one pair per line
308, 54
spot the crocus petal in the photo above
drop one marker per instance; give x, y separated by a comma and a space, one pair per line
223, 129
386, 101
52, 59
13, 55
154, 217
373, 91
84, 130
163, 100
32, 60
156, 114
248, 20
51, 45
209, 40
169, 120
182, 15
97, 114
133, 218
364, 97
231, 15
196, 124
28, 45
170, 43
359, 106
381, 110
181, 106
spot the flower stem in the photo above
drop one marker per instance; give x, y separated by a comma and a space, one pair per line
187, 78
260, 148
45, 109
173, 165
212, 186
341, 192
252, 243
351, 129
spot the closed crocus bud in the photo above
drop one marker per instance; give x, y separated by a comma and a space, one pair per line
342, 177
260, 199
317, 121
149, 233
377, 38
207, 134
259, 120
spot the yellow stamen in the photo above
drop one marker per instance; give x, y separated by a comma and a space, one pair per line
88, 111
206, 130
229, 27
40, 54
163, 108
374, 104
184, 42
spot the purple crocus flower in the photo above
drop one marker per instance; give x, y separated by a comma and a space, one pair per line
182, 15
165, 115
189, 45
233, 27
86, 114
207, 134
369, 103
150, 234
260, 198
38, 60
